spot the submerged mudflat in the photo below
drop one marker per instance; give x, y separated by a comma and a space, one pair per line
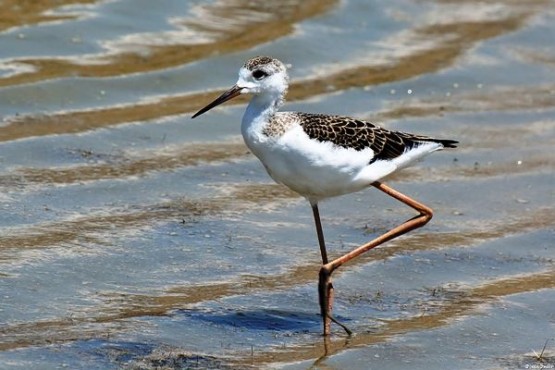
133, 237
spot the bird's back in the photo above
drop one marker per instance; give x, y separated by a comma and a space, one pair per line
357, 134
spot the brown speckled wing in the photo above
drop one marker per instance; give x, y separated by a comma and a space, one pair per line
352, 133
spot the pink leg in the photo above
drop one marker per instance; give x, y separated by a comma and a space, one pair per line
325, 288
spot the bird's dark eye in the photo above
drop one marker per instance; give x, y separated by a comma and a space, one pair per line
259, 74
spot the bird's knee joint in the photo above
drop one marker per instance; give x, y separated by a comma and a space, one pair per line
325, 272
426, 214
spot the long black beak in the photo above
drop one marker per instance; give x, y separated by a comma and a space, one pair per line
229, 94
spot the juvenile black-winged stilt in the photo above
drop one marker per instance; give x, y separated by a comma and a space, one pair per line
321, 156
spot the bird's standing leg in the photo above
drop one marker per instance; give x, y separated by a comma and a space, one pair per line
328, 268
325, 288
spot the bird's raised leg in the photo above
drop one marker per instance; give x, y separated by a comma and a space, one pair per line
328, 268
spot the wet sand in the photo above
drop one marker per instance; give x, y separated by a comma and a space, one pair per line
134, 237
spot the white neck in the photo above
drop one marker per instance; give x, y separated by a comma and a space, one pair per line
259, 113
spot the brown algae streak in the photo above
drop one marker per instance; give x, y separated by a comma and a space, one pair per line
117, 306
230, 25
443, 54
15, 13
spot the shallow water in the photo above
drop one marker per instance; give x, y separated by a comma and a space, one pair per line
134, 237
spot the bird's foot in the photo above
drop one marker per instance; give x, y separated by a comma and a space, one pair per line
325, 292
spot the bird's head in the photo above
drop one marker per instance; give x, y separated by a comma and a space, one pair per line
260, 75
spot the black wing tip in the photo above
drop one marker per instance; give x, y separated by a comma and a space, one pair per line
448, 143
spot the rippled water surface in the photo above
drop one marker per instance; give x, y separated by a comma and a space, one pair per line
134, 237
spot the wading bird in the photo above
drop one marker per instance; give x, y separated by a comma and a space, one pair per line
320, 156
